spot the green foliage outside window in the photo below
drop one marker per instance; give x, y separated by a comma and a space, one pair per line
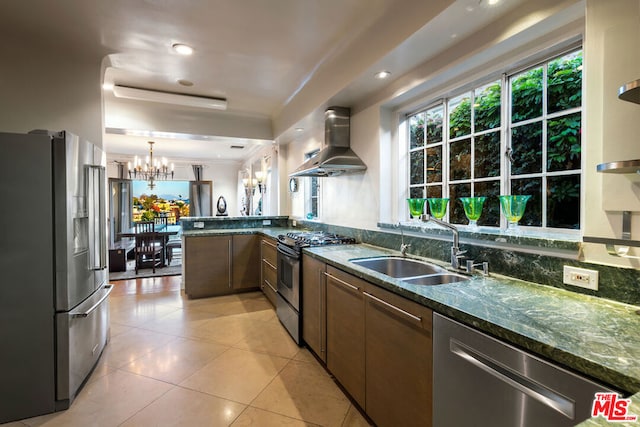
563, 80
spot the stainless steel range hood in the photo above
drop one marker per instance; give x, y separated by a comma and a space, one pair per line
336, 158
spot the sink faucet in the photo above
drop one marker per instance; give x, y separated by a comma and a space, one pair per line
403, 246
456, 253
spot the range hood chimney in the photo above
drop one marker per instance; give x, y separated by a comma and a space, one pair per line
336, 158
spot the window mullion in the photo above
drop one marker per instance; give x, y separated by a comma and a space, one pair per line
545, 79
505, 142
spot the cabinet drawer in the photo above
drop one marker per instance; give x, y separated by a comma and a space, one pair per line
269, 273
411, 311
269, 252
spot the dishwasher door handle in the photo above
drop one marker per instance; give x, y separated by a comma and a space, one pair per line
516, 380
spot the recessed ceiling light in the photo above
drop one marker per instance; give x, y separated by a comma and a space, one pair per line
382, 74
182, 49
184, 82
299, 129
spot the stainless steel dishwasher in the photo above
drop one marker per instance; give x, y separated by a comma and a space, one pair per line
481, 381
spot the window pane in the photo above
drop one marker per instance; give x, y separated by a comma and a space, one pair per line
434, 164
434, 125
416, 192
460, 116
487, 107
526, 142
416, 130
564, 87
417, 167
314, 196
434, 191
563, 147
460, 160
526, 95
533, 188
491, 208
487, 155
456, 211
563, 201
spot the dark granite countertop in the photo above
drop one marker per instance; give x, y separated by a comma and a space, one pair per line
266, 231
593, 336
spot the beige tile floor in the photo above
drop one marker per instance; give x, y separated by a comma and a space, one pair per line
222, 361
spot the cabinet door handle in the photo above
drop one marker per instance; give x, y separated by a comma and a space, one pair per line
320, 309
269, 285
393, 307
269, 243
230, 265
342, 282
268, 263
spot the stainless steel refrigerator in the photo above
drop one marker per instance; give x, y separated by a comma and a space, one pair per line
54, 309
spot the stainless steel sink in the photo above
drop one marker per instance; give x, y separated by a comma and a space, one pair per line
409, 270
397, 267
436, 279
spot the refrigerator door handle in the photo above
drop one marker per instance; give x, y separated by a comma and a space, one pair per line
107, 290
97, 230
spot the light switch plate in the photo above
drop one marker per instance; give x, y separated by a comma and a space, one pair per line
580, 277
266, 222
198, 224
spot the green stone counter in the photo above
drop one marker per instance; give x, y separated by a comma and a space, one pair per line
593, 336
272, 232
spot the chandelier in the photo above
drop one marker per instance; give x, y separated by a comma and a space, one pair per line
152, 169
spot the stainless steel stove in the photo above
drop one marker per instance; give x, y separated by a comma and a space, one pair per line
289, 274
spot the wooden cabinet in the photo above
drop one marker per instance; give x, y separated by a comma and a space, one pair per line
398, 359
314, 319
378, 344
207, 265
346, 331
268, 269
220, 265
245, 261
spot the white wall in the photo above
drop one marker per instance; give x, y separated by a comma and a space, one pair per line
49, 90
612, 126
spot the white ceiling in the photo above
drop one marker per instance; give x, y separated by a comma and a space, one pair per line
275, 61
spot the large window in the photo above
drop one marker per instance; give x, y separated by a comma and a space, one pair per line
532, 118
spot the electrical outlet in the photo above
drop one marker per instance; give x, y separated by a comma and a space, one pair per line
266, 222
580, 277
198, 224
294, 223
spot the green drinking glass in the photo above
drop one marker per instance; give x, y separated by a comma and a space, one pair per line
472, 209
513, 209
416, 207
438, 207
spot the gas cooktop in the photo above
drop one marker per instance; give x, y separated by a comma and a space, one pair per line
314, 238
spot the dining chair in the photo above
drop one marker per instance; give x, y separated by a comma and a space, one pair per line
161, 225
160, 222
148, 248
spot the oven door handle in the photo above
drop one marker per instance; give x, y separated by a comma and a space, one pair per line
290, 256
